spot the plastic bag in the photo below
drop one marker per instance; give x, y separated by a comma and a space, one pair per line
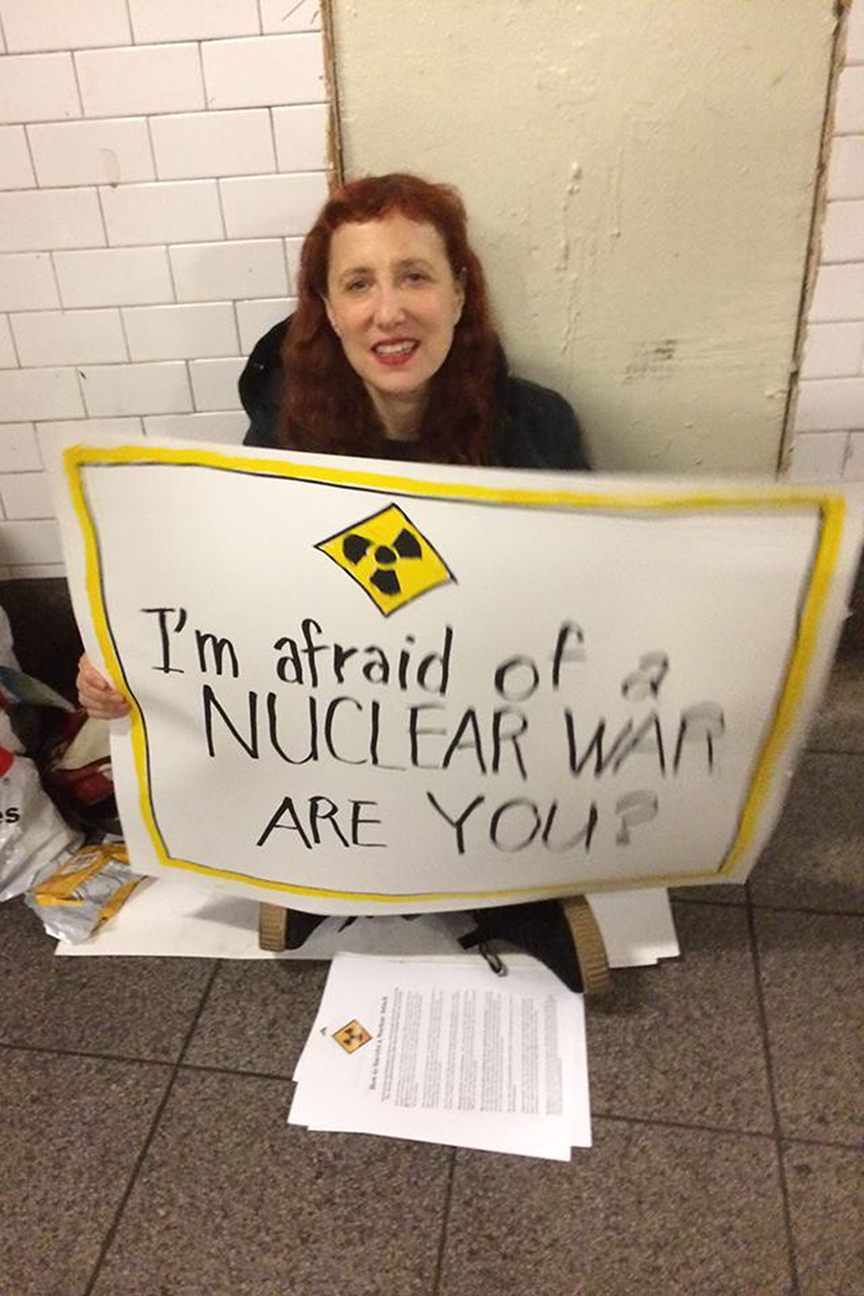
83, 892
33, 835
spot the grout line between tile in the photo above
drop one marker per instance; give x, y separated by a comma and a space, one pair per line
733, 1131
226, 1070
445, 1220
86, 1053
775, 1112
151, 1133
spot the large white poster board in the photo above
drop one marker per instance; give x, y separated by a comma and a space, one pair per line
369, 687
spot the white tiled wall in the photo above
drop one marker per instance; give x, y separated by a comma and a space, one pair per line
829, 415
160, 161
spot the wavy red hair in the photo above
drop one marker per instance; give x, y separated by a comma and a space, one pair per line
326, 407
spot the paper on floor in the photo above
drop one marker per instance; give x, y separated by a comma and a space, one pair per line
183, 919
447, 1053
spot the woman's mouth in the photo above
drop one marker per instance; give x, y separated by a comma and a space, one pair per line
395, 351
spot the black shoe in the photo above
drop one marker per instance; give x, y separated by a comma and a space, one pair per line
540, 928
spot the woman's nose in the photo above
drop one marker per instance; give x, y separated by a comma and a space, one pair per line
389, 310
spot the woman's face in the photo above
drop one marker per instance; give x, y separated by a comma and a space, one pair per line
394, 302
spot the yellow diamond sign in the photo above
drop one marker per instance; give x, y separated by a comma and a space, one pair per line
389, 559
352, 1036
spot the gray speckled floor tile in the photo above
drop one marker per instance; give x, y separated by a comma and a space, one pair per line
258, 1016
682, 1041
839, 723
70, 1131
231, 1201
648, 1210
826, 1198
131, 1007
811, 967
816, 858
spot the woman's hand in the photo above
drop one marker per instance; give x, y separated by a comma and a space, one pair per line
96, 695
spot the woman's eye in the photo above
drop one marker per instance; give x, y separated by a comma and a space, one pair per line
356, 285
416, 276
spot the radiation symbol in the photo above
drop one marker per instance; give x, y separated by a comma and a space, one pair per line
352, 1036
389, 559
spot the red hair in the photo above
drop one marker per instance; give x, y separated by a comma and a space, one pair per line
326, 406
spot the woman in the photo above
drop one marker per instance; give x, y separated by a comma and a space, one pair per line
391, 354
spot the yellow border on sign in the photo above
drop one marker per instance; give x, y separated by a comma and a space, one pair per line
831, 508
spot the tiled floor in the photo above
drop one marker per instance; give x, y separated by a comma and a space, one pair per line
144, 1150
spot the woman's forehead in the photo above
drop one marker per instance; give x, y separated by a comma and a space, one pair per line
391, 239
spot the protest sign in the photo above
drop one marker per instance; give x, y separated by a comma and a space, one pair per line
359, 686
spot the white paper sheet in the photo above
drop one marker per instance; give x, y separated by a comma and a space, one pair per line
446, 1053
183, 919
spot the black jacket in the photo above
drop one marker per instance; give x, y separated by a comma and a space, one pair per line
537, 429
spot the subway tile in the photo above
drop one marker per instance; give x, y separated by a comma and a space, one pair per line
8, 358
71, 1131
224, 1176
839, 293
180, 332
849, 109
37, 571
50, 218
214, 383
92, 152
16, 169
272, 205
59, 25
265, 70
650, 1052
301, 136
826, 404
30, 542
833, 350
27, 282
39, 394
826, 1189
172, 20
846, 167
650, 1210
277, 16
213, 144
230, 426
114, 277
225, 271
818, 456
147, 79
255, 318
159, 388
855, 34
293, 247
843, 231
83, 427
813, 858
38, 87
26, 495
809, 963
854, 470
19, 449
178, 212
69, 337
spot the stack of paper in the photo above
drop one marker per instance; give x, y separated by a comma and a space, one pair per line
447, 1052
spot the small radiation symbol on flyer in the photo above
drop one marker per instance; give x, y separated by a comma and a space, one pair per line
352, 1036
389, 559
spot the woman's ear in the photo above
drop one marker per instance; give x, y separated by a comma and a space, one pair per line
461, 280
330, 317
